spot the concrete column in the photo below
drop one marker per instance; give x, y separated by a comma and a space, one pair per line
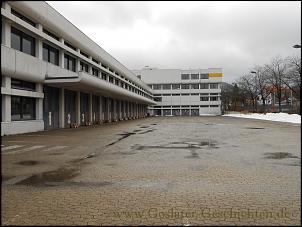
62, 108
90, 67
78, 108
90, 107
61, 55
39, 44
39, 103
6, 27
114, 110
78, 62
6, 100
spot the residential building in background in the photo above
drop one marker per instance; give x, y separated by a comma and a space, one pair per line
54, 76
183, 92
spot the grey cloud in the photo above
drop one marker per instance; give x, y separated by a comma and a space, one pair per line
236, 38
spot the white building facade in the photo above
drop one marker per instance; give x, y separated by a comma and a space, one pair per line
184, 92
54, 76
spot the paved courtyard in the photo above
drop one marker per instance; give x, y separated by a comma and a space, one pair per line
154, 171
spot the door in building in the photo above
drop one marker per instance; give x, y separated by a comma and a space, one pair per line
70, 107
95, 109
51, 107
84, 108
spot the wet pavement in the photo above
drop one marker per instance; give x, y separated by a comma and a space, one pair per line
155, 171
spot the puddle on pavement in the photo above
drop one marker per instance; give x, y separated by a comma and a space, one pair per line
59, 175
279, 155
27, 163
56, 153
194, 154
154, 124
145, 126
111, 164
79, 184
254, 128
137, 130
181, 145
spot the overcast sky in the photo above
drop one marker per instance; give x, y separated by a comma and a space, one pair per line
231, 35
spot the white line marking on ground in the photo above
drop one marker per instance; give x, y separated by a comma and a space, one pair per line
11, 147
25, 149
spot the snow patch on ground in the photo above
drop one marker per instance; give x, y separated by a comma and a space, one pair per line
283, 117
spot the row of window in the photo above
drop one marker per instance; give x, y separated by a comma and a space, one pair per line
195, 76
26, 44
187, 94
195, 106
184, 86
202, 98
23, 108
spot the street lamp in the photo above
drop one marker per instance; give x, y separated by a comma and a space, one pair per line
297, 46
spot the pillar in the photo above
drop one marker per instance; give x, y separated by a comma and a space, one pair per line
39, 44
61, 55
6, 100
6, 27
39, 102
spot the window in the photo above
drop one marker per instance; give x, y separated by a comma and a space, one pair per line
214, 98
50, 54
116, 82
139, 77
204, 106
104, 76
185, 76
103, 65
175, 86
204, 86
23, 85
166, 94
69, 63
51, 34
194, 76
95, 72
22, 42
214, 86
94, 60
185, 94
195, 94
175, 94
166, 86
84, 54
70, 46
23, 108
84, 67
14, 12
110, 70
204, 94
156, 86
213, 93
110, 79
185, 86
194, 86
204, 98
204, 76
214, 105
122, 84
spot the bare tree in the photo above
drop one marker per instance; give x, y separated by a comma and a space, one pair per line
276, 72
261, 83
247, 83
292, 78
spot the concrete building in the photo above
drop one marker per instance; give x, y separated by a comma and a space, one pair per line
184, 92
54, 76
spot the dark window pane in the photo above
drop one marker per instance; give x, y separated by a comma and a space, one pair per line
45, 52
23, 85
28, 108
15, 108
65, 62
52, 57
15, 39
28, 45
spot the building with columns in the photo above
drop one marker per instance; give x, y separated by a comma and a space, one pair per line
54, 76
184, 92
